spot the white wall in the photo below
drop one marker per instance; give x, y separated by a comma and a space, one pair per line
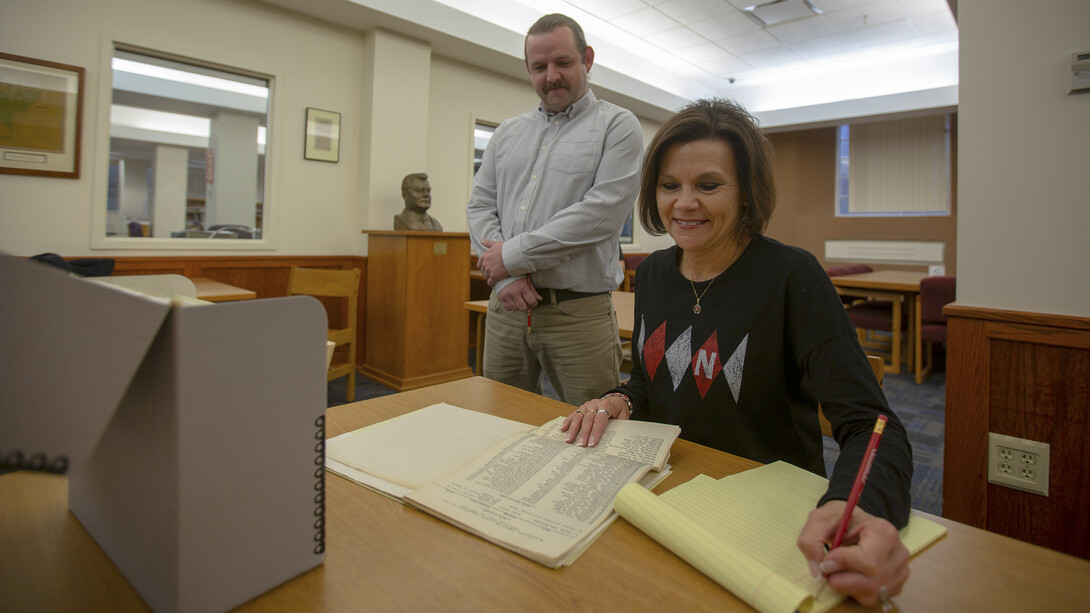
312, 205
1024, 149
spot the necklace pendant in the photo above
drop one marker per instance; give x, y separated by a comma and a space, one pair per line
696, 309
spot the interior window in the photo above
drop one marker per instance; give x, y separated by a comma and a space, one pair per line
187, 149
482, 133
895, 168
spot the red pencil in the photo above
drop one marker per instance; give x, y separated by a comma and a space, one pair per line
857, 487
860, 479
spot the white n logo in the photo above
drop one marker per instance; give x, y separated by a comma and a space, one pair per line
704, 363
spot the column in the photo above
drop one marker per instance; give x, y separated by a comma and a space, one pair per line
169, 190
232, 195
394, 128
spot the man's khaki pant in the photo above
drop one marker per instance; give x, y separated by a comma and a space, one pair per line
574, 342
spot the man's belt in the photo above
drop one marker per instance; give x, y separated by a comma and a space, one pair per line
560, 295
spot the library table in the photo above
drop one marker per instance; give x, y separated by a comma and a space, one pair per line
898, 286
216, 291
384, 556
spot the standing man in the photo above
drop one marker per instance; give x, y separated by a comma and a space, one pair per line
554, 188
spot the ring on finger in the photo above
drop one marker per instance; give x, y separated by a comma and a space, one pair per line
581, 411
883, 599
608, 416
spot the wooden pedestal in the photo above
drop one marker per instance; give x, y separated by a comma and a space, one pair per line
417, 285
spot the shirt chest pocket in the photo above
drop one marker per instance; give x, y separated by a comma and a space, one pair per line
578, 157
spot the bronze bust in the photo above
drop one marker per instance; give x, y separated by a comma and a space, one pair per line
416, 191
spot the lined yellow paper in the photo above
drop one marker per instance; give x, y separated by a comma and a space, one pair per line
741, 532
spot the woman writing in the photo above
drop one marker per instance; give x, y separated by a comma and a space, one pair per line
738, 338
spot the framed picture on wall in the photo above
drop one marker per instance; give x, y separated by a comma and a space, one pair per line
41, 114
323, 136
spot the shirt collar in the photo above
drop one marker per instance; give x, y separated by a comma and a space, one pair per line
572, 111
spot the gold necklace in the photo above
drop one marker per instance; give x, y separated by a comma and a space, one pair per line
696, 307
737, 252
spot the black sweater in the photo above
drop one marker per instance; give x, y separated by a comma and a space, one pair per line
746, 375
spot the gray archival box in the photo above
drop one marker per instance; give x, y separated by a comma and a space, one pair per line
193, 434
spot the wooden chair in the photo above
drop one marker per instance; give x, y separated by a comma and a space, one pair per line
935, 293
878, 365
333, 284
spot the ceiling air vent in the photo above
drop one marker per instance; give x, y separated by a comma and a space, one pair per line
781, 11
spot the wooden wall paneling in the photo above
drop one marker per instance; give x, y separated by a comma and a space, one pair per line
1039, 392
265, 275
965, 450
1025, 375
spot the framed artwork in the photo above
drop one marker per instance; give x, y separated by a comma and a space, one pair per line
322, 141
41, 114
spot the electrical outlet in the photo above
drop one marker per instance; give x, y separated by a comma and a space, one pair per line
1018, 463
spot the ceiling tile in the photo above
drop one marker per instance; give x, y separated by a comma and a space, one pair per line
609, 9
864, 15
803, 29
824, 46
704, 52
883, 34
645, 21
777, 57
722, 26
692, 11
727, 67
934, 23
676, 38
920, 7
749, 42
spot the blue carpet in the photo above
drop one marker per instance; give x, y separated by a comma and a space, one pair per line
921, 407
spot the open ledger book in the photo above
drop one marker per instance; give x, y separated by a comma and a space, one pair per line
741, 530
518, 486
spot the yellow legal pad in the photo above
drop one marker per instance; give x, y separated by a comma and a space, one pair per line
741, 531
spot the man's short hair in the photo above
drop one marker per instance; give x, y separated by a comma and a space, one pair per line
416, 176
552, 21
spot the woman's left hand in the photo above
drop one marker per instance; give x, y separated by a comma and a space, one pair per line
871, 563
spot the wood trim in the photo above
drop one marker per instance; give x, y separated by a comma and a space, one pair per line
1038, 319
1025, 375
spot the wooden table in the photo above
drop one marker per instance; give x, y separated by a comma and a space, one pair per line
215, 291
383, 556
623, 305
898, 286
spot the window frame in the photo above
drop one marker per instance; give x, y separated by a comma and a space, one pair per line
842, 167
101, 172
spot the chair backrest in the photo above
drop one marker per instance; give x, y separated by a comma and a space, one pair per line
847, 269
631, 261
935, 293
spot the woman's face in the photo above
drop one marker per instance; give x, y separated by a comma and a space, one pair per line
699, 199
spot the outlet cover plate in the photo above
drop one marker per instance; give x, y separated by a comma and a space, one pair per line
1011, 459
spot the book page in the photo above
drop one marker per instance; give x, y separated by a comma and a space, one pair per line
644, 441
536, 496
745, 527
417, 448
